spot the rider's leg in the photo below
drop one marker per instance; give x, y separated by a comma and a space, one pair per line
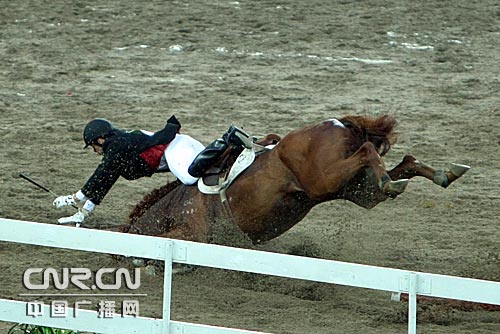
179, 155
207, 158
213, 152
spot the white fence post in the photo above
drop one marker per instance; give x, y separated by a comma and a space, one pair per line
412, 303
167, 287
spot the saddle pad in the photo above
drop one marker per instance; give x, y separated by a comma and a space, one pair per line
244, 160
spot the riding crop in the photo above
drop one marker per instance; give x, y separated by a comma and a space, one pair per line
29, 179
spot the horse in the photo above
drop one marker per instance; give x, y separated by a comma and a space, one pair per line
334, 159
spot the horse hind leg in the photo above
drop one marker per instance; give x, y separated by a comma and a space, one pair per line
411, 167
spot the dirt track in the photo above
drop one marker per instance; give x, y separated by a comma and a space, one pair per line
267, 66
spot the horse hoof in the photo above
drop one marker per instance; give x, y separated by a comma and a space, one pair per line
394, 188
444, 179
458, 169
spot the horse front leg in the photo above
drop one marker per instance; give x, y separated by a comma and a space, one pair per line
411, 167
369, 157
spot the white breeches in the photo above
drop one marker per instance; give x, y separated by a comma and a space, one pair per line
179, 155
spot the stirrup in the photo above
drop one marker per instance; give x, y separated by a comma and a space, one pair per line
244, 138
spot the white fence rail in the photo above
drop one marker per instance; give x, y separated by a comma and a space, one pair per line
179, 251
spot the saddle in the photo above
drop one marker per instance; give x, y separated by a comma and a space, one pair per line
233, 162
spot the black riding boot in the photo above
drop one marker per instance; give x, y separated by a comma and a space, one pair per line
212, 153
207, 158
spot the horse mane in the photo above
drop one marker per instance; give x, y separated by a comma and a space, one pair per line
150, 199
379, 131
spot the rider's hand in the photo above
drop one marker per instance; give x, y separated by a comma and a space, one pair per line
62, 201
77, 218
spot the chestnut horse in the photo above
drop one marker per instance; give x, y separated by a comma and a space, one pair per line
335, 159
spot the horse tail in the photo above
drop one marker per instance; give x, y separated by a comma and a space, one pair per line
148, 201
380, 131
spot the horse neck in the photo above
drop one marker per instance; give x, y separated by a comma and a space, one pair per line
310, 154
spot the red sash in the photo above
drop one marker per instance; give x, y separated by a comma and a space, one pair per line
152, 155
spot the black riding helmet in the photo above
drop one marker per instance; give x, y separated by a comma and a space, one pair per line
96, 128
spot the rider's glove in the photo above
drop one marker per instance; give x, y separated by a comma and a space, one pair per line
63, 201
77, 218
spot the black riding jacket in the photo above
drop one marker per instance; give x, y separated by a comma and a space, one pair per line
122, 151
